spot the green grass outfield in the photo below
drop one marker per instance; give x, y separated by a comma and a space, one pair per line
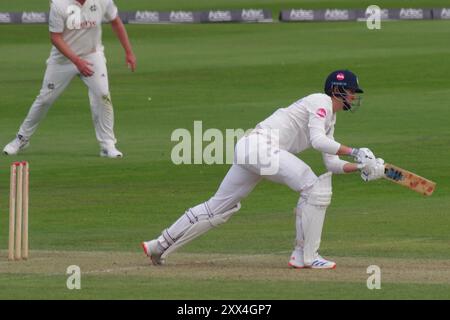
29, 5
94, 212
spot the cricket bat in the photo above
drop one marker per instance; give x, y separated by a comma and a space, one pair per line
408, 179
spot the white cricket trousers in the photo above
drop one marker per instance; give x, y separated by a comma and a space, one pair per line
57, 78
242, 178
277, 165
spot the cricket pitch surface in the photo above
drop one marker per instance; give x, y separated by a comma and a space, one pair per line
267, 267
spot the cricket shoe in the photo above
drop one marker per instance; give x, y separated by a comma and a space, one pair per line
320, 263
19, 143
296, 260
154, 251
110, 152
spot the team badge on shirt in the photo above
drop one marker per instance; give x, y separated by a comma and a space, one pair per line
321, 112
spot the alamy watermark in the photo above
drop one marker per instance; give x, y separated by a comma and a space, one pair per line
374, 280
258, 148
373, 20
74, 279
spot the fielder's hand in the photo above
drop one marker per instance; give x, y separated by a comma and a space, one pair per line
84, 67
131, 61
373, 172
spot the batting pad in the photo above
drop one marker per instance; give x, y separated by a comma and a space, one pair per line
313, 215
199, 228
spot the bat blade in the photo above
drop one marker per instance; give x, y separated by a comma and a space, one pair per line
409, 179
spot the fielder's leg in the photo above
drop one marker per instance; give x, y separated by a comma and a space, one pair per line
237, 184
57, 77
101, 106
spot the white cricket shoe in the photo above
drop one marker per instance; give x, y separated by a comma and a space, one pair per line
296, 260
110, 152
321, 263
19, 143
153, 250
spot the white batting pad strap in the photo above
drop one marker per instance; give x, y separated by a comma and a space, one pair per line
219, 219
319, 199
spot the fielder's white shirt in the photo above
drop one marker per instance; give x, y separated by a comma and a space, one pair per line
83, 34
308, 122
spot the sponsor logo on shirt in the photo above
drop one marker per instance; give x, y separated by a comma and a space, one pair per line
321, 112
78, 20
88, 24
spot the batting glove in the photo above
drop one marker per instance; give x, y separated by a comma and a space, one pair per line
373, 172
363, 155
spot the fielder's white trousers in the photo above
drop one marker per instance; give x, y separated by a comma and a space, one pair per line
57, 78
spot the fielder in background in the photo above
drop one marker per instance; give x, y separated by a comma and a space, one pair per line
269, 152
75, 32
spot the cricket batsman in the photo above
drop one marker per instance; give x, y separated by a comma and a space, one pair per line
76, 34
269, 151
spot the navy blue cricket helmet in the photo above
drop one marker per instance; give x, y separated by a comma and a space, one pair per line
338, 82
342, 79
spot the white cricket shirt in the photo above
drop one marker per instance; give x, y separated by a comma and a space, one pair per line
83, 32
308, 122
